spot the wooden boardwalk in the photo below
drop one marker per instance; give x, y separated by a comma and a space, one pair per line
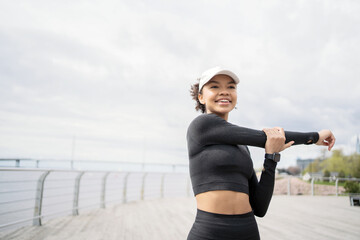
289, 217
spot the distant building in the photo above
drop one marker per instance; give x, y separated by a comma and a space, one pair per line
303, 163
357, 145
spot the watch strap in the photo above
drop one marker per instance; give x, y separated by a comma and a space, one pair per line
274, 156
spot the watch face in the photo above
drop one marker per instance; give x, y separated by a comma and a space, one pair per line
276, 157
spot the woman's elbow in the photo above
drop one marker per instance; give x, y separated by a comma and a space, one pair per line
260, 212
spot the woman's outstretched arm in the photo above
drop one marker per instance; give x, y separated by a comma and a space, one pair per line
210, 129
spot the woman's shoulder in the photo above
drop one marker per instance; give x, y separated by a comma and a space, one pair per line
207, 120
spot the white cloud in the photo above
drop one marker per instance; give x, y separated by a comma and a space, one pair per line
114, 73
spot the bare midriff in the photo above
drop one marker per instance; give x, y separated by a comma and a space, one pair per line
223, 202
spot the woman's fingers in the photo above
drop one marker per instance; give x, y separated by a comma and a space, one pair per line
288, 144
275, 130
331, 141
275, 141
326, 138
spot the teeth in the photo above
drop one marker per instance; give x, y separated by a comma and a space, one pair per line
224, 101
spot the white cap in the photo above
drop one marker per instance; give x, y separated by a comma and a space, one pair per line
210, 73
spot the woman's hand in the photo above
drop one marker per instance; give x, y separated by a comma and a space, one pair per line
326, 138
275, 141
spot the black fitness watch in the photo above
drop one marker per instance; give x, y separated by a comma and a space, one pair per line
274, 156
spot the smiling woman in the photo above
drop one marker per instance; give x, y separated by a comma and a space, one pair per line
228, 193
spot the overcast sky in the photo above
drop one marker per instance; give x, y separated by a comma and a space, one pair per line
115, 75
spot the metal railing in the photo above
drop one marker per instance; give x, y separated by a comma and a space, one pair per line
30, 195
314, 188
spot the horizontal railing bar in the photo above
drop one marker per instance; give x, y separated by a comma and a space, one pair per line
65, 187
56, 203
17, 210
58, 195
19, 200
91, 191
84, 185
92, 180
88, 189
61, 180
17, 222
19, 181
114, 189
21, 190
113, 193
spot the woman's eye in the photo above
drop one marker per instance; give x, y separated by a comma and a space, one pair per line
214, 87
232, 87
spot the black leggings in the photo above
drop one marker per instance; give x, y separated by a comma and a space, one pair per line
216, 226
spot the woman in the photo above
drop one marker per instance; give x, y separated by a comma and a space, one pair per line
225, 185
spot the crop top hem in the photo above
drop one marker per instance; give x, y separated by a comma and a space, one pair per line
212, 186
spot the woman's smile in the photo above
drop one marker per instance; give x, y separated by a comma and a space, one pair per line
223, 101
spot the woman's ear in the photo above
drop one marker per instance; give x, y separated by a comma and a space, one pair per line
201, 98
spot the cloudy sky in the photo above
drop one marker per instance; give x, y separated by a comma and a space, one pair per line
114, 76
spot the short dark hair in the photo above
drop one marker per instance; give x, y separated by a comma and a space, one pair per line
194, 92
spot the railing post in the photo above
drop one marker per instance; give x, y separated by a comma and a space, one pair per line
75, 210
289, 187
312, 186
125, 188
337, 187
188, 187
103, 190
38, 199
143, 186
162, 185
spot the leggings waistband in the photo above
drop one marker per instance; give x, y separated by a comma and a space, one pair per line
220, 215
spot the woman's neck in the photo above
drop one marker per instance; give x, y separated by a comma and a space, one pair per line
223, 116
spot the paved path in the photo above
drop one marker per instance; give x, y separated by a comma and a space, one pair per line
289, 217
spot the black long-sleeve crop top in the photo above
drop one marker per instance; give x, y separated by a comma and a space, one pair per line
220, 160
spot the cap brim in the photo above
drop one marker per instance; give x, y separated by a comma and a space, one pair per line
209, 74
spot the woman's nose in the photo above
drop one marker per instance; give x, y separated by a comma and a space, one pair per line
224, 92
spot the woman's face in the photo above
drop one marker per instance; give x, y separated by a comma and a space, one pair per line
219, 95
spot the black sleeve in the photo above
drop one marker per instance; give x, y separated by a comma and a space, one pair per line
208, 129
260, 193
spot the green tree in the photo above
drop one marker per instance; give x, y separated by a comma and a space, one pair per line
352, 187
346, 166
335, 163
354, 165
341, 175
327, 174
